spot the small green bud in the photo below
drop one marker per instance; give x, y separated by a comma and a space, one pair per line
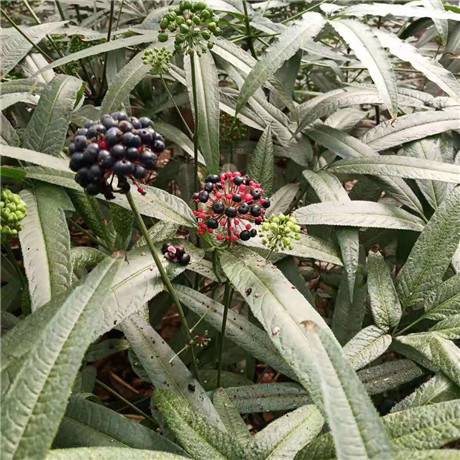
164, 23
199, 6
184, 28
162, 37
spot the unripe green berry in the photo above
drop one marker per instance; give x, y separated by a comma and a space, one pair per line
162, 37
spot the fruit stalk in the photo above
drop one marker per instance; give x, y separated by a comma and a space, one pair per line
164, 277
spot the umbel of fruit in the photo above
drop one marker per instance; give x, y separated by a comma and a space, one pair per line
159, 59
12, 211
193, 24
175, 254
106, 153
229, 207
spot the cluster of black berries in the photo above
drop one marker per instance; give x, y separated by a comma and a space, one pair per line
230, 204
116, 147
175, 254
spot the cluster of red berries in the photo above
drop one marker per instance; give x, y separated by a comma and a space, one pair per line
118, 147
230, 204
175, 254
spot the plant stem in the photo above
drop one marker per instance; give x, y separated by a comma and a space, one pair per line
109, 37
175, 105
195, 128
248, 30
228, 294
164, 276
119, 14
61, 11
13, 24
420, 318
128, 403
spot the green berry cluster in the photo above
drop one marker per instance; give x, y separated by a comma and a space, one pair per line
280, 232
12, 211
194, 26
159, 59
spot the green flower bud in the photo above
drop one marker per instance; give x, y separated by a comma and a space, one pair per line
13, 210
185, 5
162, 37
164, 23
180, 20
199, 6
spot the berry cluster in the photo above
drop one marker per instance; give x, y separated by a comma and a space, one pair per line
230, 204
175, 254
12, 211
279, 232
118, 147
194, 25
159, 59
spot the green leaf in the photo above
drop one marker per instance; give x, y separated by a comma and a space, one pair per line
429, 454
123, 83
102, 48
230, 415
329, 188
408, 128
164, 368
444, 300
281, 200
8, 135
362, 40
261, 162
109, 453
384, 300
366, 346
288, 43
285, 436
88, 424
425, 427
85, 258
15, 47
399, 166
45, 243
44, 380
433, 390
441, 353
429, 149
430, 68
432, 252
308, 346
358, 214
420, 428
448, 328
239, 330
208, 116
40, 159
308, 247
197, 437
47, 129
392, 9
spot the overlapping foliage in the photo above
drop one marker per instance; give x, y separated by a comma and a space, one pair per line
348, 114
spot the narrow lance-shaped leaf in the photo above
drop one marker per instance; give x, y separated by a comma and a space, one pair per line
430, 68
358, 214
408, 128
45, 243
368, 50
35, 401
110, 453
307, 344
207, 95
444, 300
47, 129
260, 165
432, 252
164, 368
384, 300
288, 43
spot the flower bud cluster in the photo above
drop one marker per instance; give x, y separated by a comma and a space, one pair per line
159, 59
12, 211
175, 254
280, 232
193, 24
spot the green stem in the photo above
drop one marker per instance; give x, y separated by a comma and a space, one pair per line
420, 318
195, 132
175, 105
61, 11
128, 403
248, 30
164, 276
228, 294
119, 14
109, 37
